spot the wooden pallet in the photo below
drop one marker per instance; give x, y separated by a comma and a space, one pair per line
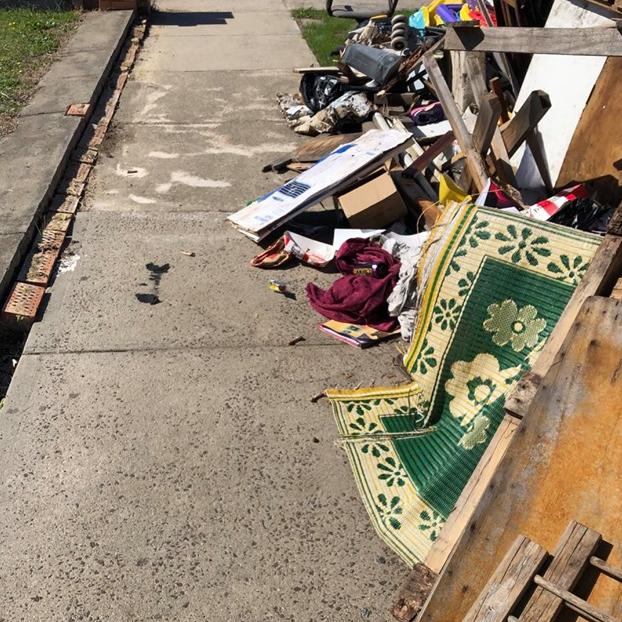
542, 582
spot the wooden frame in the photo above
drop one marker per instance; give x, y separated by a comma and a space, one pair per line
574, 41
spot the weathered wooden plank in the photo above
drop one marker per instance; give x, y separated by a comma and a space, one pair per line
509, 582
616, 292
486, 123
311, 150
574, 41
500, 157
615, 224
564, 464
595, 151
517, 129
615, 573
517, 403
570, 558
474, 162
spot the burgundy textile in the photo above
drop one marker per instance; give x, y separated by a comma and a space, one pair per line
358, 252
354, 298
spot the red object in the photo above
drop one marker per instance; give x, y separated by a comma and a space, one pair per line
356, 298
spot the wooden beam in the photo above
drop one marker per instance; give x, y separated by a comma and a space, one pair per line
500, 58
599, 41
413, 593
496, 88
601, 276
475, 165
434, 150
486, 123
500, 159
516, 131
509, 582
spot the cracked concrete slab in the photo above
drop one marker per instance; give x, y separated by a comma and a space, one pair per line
103, 33
164, 462
243, 98
229, 23
183, 486
227, 302
270, 51
211, 167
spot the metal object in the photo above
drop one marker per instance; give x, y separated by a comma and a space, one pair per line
348, 12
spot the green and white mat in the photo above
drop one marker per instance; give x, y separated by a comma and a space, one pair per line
496, 289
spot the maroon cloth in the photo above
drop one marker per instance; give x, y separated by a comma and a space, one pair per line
356, 252
358, 299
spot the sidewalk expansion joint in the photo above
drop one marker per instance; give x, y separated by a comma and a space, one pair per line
188, 348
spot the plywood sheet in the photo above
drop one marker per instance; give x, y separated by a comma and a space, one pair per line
595, 152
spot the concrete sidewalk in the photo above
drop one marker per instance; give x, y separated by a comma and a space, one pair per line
164, 462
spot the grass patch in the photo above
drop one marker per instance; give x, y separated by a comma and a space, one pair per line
322, 33
28, 40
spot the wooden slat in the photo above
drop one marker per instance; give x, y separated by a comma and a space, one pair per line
434, 150
500, 157
576, 41
478, 486
509, 582
582, 607
474, 162
570, 559
486, 123
517, 129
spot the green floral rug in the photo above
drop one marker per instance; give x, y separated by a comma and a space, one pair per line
497, 288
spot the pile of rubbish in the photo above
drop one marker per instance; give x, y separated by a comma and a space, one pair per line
461, 174
412, 118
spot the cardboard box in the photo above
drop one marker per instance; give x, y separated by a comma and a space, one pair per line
376, 203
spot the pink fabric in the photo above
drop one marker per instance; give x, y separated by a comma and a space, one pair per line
355, 298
